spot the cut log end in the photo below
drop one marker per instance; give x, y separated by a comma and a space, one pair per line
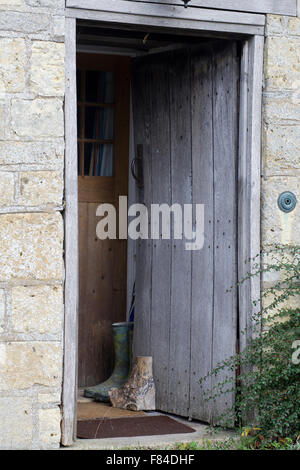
138, 394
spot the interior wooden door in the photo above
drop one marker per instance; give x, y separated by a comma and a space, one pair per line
185, 112
103, 92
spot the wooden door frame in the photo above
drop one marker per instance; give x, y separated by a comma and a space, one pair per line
248, 190
275, 7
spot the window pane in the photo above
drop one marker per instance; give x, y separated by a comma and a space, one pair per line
79, 114
99, 87
99, 123
79, 82
98, 159
78, 158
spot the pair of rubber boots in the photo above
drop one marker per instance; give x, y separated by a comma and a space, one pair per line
122, 338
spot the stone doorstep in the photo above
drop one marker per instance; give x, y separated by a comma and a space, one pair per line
158, 442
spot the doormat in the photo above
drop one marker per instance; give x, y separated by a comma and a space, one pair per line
130, 427
94, 410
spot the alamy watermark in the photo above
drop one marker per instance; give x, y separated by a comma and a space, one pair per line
160, 221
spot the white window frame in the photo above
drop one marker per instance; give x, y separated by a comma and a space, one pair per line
249, 166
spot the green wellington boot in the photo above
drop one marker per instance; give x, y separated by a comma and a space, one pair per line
122, 336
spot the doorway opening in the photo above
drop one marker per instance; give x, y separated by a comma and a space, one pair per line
103, 97
172, 101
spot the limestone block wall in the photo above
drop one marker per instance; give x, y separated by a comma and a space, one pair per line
32, 58
281, 130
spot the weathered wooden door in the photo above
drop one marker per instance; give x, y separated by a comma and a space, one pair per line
185, 110
103, 86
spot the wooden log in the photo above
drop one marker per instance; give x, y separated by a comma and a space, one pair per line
139, 392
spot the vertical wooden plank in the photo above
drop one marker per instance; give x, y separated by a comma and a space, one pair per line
69, 393
142, 138
244, 193
225, 213
161, 251
203, 260
256, 55
131, 244
179, 362
97, 299
249, 181
250, 162
83, 320
121, 164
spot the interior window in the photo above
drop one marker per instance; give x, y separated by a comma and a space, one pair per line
96, 122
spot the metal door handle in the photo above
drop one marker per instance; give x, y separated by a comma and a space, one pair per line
133, 168
136, 167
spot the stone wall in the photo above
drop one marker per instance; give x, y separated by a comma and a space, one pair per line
281, 130
31, 223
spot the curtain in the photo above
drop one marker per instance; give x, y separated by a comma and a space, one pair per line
101, 155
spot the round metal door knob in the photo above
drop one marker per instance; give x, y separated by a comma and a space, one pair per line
287, 201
